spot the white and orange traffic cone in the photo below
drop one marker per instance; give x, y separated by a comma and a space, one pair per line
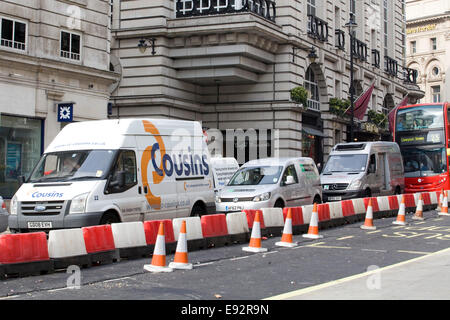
255, 238
368, 223
180, 260
159, 254
313, 230
401, 214
444, 210
286, 238
419, 209
441, 198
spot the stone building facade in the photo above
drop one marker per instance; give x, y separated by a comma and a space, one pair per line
428, 46
232, 63
51, 52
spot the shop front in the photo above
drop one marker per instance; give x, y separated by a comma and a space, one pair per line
20, 149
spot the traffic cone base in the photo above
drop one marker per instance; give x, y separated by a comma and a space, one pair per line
443, 213
368, 227
180, 265
254, 249
417, 218
312, 236
401, 223
156, 269
286, 244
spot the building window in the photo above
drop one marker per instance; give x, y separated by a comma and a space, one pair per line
353, 6
20, 150
311, 7
313, 89
413, 47
433, 44
70, 45
436, 93
435, 71
13, 34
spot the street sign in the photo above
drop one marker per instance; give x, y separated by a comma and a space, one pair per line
65, 112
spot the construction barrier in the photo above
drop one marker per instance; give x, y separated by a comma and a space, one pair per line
24, 254
129, 238
31, 253
100, 245
66, 247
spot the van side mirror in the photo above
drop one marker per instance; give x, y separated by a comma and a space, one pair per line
119, 181
21, 179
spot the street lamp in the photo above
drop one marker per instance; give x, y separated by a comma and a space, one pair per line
351, 25
312, 56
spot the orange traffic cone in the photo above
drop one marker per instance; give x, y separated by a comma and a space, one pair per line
444, 210
180, 260
286, 238
313, 230
419, 210
401, 214
368, 223
441, 198
255, 238
159, 254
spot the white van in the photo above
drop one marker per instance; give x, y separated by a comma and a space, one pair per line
271, 182
106, 171
363, 169
223, 169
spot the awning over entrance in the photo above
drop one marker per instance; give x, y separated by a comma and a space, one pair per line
313, 132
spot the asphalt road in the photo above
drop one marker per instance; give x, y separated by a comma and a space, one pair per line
228, 273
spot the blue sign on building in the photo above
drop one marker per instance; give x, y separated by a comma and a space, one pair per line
65, 112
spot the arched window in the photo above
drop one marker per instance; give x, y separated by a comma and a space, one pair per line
313, 88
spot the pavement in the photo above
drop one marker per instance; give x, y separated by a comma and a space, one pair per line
416, 279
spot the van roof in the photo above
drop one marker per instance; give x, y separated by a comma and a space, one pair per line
362, 146
111, 134
277, 161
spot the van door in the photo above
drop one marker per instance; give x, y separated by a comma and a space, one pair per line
122, 187
290, 190
384, 173
372, 172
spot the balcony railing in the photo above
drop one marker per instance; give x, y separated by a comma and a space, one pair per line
390, 66
193, 8
339, 39
12, 44
317, 28
410, 75
360, 50
376, 58
313, 105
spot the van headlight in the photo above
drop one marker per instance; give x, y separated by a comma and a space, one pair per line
78, 204
13, 207
218, 200
262, 197
355, 185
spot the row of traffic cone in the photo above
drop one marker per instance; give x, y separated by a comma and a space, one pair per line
158, 263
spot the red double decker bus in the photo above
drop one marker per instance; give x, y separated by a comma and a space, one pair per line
422, 132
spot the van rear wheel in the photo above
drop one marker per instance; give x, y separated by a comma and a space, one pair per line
198, 210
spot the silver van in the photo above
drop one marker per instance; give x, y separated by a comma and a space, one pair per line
271, 182
362, 169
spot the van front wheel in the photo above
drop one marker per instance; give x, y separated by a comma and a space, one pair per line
279, 204
109, 217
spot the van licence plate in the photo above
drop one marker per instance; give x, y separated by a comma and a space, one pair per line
39, 225
335, 198
234, 208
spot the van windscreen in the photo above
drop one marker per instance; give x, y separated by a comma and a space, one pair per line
256, 175
346, 163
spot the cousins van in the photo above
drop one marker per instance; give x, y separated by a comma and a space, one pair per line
363, 169
107, 171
